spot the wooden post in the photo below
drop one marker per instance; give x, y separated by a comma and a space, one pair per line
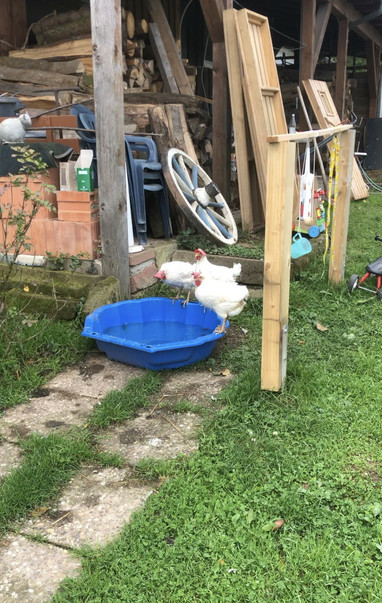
221, 122
373, 54
108, 95
340, 219
278, 229
307, 36
342, 55
221, 115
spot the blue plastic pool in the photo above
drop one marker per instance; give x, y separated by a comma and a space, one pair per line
154, 332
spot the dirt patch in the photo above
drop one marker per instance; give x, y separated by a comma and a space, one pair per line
368, 468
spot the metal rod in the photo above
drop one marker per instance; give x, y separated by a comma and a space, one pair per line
309, 124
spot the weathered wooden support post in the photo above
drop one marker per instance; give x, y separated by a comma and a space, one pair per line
278, 221
340, 221
108, 96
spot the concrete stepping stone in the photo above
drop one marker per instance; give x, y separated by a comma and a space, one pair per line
92, 510
161, 435
68, 399
31, 572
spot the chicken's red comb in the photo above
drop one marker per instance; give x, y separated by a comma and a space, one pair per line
200, 251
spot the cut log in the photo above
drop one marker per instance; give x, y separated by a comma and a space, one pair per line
159, 124
130, 24
179, 131
141, 27
80, 27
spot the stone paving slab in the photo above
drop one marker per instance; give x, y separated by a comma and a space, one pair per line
31, 572
68, 399
92, 510
10, 457
161, 435
95, 377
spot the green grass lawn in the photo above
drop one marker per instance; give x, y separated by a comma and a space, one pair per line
311, 456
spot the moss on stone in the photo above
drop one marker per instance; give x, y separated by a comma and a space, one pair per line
103, 292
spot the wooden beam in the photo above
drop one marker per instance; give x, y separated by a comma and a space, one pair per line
213, 16
308, 16
340, 219
158, 15
343, 8
162, 59
278, 230
108, 95
221, 115
6, 32
373, 54
341, 72
321, 23
221, 121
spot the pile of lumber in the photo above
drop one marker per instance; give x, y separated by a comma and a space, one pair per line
39, 82
64, 50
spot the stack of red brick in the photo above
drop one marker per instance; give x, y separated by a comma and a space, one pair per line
72, 229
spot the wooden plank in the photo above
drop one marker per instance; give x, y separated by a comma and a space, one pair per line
309, 134
340, 220
65, 67
162, 59
278, 228
71, 48
326, 115
261, 88
35, 76
158, 15
341, 72
243, 148
108, 97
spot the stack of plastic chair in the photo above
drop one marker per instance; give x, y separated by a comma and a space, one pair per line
146, 176
86, 119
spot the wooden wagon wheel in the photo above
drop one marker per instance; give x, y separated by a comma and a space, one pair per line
199, 198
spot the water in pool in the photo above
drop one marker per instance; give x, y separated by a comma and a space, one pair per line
156, 332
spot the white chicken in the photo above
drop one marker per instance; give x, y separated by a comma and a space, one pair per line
179, 275
13, 129
225, 298
221, 273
